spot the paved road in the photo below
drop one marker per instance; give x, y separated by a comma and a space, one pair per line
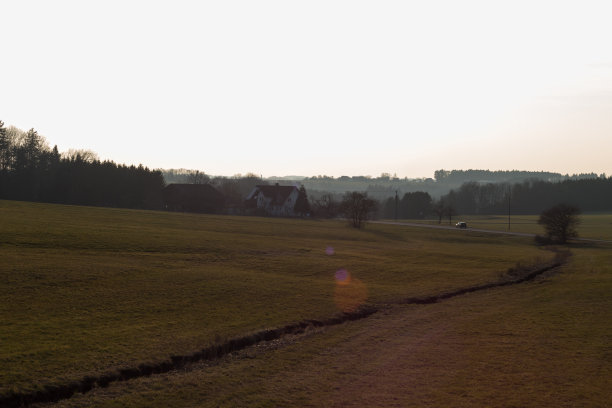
518, 234
414, 224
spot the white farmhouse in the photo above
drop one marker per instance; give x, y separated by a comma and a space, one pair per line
276, 200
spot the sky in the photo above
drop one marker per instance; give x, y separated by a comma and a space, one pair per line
315, 87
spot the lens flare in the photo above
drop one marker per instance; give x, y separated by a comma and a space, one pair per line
350, 296
329, 250
342, 277
349, 293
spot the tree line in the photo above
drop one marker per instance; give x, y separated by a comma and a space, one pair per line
528, 197
443, 181
32, 171
505, 176
531, 197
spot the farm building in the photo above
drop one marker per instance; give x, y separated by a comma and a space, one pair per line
202, 198
274, 200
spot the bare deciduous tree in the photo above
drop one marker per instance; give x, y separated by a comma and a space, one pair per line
325, 206
560, 222
357, 207
439, 209
198, 177
80, 155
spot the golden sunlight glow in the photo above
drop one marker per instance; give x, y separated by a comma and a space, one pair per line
349, 293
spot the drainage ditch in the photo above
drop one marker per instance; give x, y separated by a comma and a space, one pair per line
54, 393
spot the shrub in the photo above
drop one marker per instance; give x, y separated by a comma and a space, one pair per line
560, 223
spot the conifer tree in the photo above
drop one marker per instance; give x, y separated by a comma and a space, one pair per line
302, 206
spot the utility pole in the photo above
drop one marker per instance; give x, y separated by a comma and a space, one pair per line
396, 204
509, 194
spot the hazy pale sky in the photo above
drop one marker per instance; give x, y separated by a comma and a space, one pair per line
315, 87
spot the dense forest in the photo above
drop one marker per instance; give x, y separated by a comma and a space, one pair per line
31, 171
528, 197
531, 197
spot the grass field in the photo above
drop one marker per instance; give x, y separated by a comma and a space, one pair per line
539, 344
90, 290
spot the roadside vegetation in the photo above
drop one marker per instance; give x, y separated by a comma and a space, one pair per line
84, 290
560, 222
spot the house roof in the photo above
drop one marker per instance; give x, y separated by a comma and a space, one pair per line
192, 197
277, 193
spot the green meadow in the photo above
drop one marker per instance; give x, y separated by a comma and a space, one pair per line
85, 291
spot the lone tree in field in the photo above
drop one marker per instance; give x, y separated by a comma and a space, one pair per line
560, 222
357, 207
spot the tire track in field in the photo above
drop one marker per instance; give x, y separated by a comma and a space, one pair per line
55, 393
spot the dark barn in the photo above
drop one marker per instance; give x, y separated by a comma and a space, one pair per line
200, 198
